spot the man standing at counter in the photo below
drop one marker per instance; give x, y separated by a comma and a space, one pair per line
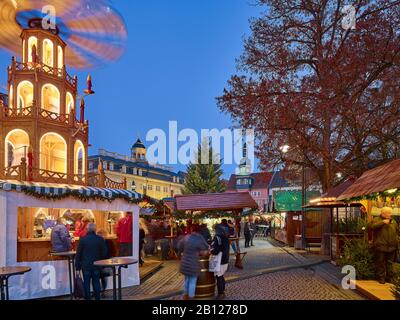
124, 234
60, 238
91, 248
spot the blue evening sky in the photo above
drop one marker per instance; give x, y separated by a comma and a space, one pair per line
180, 54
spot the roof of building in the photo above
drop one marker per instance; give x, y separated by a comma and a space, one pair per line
214, 201
278, 181
139, 144
379, 179
148, 170
340, 188
260, 180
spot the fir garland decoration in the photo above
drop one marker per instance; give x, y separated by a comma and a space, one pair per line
374, 196
83, 197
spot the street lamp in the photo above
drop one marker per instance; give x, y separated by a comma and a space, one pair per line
285, 149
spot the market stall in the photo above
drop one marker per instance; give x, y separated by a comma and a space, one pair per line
345, 219
286, 221
211, 208
376, 188
27, 214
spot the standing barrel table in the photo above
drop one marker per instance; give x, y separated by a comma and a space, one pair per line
205, 287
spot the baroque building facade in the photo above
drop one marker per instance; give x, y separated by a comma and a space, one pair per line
138, 174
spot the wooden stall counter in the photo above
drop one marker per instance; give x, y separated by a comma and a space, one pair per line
38, 249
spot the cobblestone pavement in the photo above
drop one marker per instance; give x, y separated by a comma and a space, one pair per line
298, 284
315, 283
262, 256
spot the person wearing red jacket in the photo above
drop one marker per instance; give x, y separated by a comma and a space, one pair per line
124, 234
81, 228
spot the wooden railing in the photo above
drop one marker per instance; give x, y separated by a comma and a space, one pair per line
12, 172
41, 67
49, 115
23, 172
102, 181
109, 183
17, 112
51, 176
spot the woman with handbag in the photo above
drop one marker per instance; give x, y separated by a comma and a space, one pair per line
192, 246
219, 245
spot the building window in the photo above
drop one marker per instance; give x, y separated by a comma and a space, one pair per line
135, 171
32, 47
51, 98
16, 147
140, 172
123, 169
166, 189
53, 153
69, 103
158, 188
60, 58
25, 95
91, 166
150, 187
79, 158
48, 50
111, 166
105, 165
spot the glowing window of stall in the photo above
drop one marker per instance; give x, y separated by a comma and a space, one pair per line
25, 94
51, 98
16, 147
32, 41
53, 153
48, 50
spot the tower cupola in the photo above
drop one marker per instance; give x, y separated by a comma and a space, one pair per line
138, 151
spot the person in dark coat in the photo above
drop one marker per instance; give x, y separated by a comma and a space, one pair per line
386, 244
192, 246
105, 272
205, 232
221, 244
247, 233
91, 248
60, 238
